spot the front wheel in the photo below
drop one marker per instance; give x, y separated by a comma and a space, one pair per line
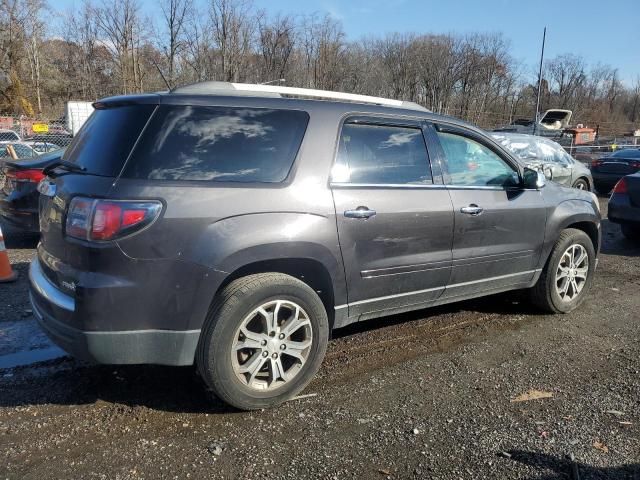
568, 274
263, 341
581, 184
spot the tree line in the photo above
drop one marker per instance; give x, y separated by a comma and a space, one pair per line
109, 47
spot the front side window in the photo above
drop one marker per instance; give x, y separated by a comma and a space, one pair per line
377, 154
221, 144
470, 163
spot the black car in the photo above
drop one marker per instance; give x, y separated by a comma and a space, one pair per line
18, 194
608, 170
624, 206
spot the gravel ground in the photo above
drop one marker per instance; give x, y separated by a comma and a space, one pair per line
422, 395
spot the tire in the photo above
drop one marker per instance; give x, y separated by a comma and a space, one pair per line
631, 232
544, 294
581, 184
234, 312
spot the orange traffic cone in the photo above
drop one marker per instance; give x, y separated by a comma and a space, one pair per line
6, 272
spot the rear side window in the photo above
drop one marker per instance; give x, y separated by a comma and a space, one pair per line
381, 155
8, 136
107, 137
221, 144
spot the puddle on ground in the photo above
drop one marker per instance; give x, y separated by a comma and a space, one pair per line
22, 343
27, 357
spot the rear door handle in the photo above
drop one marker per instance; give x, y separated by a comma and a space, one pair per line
472, 209
360, 212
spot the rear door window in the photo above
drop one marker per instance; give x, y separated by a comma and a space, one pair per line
220, 144
107, 137
382, 155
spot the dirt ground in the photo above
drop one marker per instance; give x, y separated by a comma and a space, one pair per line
422, 395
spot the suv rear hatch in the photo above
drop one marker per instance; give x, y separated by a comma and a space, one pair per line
101, 149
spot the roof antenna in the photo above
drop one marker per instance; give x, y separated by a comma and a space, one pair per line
161, 74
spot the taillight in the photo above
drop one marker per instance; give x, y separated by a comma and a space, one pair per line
621, 186
596, 163
26, 176
91, 219
634, 163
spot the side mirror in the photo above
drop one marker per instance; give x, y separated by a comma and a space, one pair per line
533, 179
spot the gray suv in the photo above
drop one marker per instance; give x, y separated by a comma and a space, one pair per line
235, 226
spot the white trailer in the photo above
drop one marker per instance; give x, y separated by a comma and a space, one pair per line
76, 114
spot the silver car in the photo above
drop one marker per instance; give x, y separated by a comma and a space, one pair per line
547, 156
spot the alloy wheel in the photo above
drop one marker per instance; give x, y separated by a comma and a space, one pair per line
271, 345
572, 272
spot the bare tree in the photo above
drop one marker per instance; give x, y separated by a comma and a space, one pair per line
172, 42
275, 45
233, 25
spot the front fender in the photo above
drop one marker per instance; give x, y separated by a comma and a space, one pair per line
565, 214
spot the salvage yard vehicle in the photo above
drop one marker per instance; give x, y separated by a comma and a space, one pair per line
547, 156
18, 190
607, 171
624, 206
234, 226
552, 124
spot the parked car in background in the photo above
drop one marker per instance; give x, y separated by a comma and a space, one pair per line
547, 156
59, 139
42, 146
551, 124
624, 205
9, 136
607, 171
232, 226
21, 149
18, 190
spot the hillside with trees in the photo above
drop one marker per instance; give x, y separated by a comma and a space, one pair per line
110, 47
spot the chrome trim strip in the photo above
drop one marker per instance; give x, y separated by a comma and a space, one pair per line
417, 292
48, 290
387, 185
499, 277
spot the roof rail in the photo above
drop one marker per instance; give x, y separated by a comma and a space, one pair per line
261, 90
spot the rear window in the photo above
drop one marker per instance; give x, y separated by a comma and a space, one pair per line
107, 137
221, 144
8, 136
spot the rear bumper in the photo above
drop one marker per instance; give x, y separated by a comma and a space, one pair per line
23, 219
20, 210
622, 211
605, 181
161, 347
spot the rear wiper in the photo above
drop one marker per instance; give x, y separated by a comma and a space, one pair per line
63, 164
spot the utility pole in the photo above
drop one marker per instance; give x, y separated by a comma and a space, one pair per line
537, 118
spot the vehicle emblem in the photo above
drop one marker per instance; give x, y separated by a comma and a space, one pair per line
47, 187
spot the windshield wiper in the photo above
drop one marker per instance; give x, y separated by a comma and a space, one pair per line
63, 164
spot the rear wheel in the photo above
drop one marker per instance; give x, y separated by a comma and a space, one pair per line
568, 274
581, 184
263, 341
632, 232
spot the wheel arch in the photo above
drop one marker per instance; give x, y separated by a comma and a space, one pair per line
309, 270
577, 214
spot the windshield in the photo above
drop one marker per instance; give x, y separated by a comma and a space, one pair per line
105, 140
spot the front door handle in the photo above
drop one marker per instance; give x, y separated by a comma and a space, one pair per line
472, 209
360, 212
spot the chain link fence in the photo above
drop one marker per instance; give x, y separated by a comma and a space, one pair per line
22, 137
